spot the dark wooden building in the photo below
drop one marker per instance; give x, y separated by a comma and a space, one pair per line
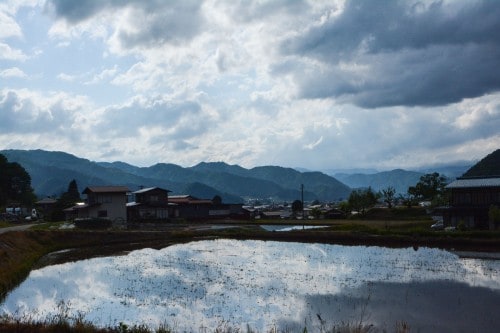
149, 204
470, 202
192, 208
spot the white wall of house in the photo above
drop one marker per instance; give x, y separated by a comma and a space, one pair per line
111, 206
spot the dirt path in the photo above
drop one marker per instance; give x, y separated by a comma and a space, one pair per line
16, 228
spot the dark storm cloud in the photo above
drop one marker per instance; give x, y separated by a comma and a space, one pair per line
77, 11
246, 11
153, 22
402, 53
171, 22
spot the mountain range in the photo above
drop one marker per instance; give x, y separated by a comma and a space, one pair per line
51, 173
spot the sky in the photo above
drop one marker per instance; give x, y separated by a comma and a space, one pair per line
294, 83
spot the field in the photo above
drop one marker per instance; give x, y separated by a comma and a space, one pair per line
239, 283
22, 251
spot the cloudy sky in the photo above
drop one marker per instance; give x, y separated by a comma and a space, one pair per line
313, 84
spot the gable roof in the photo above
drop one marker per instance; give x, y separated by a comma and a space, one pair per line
106, 189
147, 189
46, 201
187, 199
475, 182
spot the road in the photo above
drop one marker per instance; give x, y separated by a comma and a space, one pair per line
16, 228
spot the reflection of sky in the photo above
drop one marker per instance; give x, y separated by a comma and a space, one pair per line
239, 282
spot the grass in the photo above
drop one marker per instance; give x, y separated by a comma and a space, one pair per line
62, 322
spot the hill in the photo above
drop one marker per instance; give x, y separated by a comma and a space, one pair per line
51, 173
488, 166
398, 178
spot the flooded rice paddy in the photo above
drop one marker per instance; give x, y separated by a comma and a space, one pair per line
264, 285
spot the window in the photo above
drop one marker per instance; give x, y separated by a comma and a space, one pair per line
104, 198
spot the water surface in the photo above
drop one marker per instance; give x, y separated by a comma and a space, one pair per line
262, 285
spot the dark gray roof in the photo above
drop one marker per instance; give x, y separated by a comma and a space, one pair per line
106, 189
474, 182
147, 189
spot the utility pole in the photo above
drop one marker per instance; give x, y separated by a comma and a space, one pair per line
302, 199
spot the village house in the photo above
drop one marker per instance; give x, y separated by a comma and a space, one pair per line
470, 202
105, 202
149, 204
45, 206
192, 208
189, 207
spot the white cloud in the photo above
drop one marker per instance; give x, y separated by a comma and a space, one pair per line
8, 53
12, 72
66, 77
103, 75
8, 26
252, 83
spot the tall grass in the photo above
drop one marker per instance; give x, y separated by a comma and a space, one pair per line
62, 322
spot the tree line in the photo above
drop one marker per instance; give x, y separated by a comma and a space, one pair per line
430, 187
16, 190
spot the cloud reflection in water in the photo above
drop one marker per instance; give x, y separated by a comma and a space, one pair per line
261, 284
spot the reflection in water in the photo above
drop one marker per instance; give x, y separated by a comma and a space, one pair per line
263, 284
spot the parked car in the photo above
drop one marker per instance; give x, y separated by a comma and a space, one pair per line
438, 225
8, 217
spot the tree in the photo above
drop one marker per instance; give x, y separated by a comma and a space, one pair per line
15, 183
430, 187
362, 199
389, 196
408, 199
297, 206
494, 216
316, 213
72, 195
217, 200
344, 207
67, 199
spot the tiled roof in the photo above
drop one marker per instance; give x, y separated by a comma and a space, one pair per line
106, 189
474, 182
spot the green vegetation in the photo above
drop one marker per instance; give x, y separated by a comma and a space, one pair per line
430, 187
362, 199
63, 323
15, 184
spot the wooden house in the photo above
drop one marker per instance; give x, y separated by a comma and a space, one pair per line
470, 202
104, 202
149, 204
192, 208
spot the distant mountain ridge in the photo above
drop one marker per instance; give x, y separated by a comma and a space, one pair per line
51, 173
398, 178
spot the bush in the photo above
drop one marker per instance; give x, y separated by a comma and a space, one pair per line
93, 223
